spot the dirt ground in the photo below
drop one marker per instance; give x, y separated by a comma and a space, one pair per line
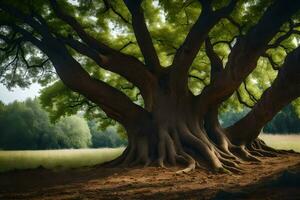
274, 178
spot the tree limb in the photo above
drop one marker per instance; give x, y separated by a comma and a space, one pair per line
114, 103
133, 72
88, 39
247, 50
142, 35
284, 89
216, 64
109, 59
187, 52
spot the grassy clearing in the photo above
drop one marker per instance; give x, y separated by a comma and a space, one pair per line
64, 159
286, 141
56, 159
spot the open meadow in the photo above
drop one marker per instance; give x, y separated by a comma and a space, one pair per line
56, 159
76, 158
283, 141
274, 177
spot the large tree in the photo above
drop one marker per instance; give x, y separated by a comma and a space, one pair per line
162, 69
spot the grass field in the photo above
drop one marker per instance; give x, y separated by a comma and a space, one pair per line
56, 159
290, 141
64, 159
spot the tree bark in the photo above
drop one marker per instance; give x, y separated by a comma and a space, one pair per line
286, 87
245, 53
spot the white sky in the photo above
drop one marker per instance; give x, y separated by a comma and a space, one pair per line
19, 94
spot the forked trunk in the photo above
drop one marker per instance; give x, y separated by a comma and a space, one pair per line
175, 133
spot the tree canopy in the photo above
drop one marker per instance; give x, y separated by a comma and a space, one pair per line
110, 22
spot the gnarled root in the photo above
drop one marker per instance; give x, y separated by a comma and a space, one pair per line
192, 148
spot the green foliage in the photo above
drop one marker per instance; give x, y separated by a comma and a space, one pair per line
58, 101
296, 105
168, 21
231, 116
73, 132
24, 125
1, 106
286, 121
107, 138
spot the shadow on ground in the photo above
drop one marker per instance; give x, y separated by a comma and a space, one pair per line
274, 178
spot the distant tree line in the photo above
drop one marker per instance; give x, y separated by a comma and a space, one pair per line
25, 125
286, 121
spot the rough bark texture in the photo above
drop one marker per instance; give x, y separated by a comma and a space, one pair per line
175, 127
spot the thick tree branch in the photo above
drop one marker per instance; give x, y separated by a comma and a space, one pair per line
142, 35
247, 50
109, 58
88, 39
285, 88
187, 52
115, 104
133, 71
216, 64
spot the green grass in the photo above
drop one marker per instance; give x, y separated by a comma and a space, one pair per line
286, 141
56, 159
64, 159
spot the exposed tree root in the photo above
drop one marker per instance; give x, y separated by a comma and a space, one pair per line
181, 146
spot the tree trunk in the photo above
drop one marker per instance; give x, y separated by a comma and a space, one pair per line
175, 133
284, 89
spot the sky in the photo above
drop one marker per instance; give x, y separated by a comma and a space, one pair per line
19, 94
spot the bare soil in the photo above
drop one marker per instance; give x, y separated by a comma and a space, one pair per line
274, 178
